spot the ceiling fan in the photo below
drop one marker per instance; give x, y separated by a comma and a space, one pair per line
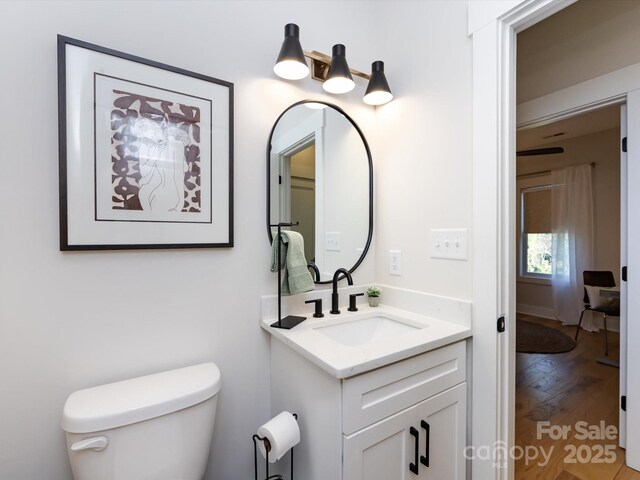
540, 151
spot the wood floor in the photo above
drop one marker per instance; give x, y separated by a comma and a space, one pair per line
564, 389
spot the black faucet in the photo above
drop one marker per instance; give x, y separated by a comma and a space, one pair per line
314, 267
334, 295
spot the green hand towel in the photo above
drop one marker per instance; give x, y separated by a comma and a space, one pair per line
296, 277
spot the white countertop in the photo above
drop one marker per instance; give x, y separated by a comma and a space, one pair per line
342, 361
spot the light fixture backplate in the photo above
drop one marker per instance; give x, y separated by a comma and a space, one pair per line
320, 66
319, 70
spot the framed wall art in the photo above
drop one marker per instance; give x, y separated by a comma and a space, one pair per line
146, 153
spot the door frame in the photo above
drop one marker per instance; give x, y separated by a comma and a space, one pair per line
312, 129
624, 295
284, 160
493, 27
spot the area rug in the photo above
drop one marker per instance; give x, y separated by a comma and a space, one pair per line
535, 338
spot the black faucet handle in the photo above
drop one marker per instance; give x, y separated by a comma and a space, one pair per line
352, 301
318, 313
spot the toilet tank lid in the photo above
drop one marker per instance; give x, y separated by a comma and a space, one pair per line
138, 399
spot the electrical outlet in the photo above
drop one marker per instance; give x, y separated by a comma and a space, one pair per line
451, 244
395, 262
332, 241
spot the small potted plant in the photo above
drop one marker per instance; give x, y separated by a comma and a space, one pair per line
373, 295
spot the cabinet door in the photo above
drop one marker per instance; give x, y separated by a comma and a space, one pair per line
387, 449
445, 416
382, 451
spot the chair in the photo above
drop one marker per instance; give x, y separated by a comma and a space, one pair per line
599, 279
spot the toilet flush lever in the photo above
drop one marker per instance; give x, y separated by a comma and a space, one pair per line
96, 444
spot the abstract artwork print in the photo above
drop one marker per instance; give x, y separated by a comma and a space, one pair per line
155, 154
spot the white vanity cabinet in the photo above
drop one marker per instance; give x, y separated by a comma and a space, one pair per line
384, 424
425, 441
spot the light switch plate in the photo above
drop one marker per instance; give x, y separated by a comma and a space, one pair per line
395, 262
451, 244
332, 241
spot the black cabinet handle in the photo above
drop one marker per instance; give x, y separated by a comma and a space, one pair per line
414, 466
424, 459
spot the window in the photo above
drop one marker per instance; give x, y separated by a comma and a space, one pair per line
535, 233
538, 253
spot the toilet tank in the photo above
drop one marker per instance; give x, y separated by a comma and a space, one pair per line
157, 427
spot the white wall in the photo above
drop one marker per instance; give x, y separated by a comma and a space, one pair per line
346, 200
585, 40
72, 320
603, 148
424, 179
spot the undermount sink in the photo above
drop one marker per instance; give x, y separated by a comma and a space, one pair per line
365, 330
352, 343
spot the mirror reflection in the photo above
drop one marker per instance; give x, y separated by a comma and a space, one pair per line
320, 176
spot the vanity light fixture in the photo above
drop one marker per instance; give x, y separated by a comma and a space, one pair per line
291, 64
339, 79
333, 71
378, 91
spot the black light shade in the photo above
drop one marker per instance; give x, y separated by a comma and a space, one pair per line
291, 63
339, 79
378, 91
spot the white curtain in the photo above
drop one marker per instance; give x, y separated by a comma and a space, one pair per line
572, 241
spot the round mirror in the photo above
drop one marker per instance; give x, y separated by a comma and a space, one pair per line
320, 179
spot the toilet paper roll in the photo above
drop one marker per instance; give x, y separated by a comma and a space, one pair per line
283, 433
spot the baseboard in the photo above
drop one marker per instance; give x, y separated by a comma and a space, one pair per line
536, 311
613, 323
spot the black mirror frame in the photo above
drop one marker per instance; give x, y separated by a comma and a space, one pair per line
368, 150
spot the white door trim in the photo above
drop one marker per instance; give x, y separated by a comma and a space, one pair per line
494, 233
633, 299
294, 140
624, 175
494, 121
602, 91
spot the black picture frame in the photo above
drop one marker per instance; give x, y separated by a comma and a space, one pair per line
139, 218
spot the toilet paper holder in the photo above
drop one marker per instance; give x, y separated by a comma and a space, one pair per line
267, 446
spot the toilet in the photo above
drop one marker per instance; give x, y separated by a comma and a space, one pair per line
157, 427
